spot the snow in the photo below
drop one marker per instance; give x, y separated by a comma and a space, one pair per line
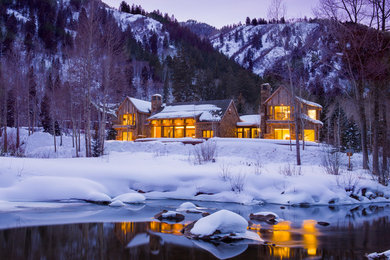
383, 255
117, 203
225, 221
309, 103
314, 121
169, 214
249, 120
167, 170
141, 105
131, 198
189, 207
207, 112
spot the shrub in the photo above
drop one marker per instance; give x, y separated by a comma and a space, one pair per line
331, 161
237, 182
290, 170
205, 152
225, 173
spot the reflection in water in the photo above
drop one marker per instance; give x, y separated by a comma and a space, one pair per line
157, 240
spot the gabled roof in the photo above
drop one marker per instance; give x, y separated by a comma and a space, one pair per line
301, 100
205, 111
141, 105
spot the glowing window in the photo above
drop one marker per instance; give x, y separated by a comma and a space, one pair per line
128, 119
282, 113
282, 133
312, 113
207, 133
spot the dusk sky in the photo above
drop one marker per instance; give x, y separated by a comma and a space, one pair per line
220, 12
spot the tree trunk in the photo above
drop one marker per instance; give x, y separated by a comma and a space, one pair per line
384, 141
363, 132
375, 146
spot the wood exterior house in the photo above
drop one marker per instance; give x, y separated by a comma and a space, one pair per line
278, 116
131, 121
203, 119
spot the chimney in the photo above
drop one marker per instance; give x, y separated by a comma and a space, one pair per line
265, 92
156, 103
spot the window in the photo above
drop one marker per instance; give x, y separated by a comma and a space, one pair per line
207, 133
190, 131
239, 133
309, 135
156, 131
168, 131
312, 113
128, 119
127, 136
179, 131
282, 133
282, 113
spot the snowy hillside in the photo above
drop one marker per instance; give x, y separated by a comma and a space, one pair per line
264, 47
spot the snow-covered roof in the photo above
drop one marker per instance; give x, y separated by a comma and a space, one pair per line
141, 105
206, 110
306, 117
249, 120
309, 103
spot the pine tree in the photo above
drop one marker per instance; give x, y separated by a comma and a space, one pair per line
46, 120
248, 21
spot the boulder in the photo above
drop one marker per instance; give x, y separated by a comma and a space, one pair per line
169, 215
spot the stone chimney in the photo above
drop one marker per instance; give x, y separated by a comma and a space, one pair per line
265, 93
156, 103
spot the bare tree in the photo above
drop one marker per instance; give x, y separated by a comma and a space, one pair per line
276, 10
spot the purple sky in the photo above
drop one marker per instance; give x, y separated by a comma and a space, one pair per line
220, 12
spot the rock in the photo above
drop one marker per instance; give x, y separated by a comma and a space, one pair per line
169, 215
269, 217
205, 214
323, 223
189, 207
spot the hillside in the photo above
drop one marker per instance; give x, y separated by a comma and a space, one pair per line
266, 48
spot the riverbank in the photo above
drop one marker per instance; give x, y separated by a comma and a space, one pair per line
246, 171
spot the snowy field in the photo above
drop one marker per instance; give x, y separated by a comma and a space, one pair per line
246, 171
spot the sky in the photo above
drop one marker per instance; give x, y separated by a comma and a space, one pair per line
220, 12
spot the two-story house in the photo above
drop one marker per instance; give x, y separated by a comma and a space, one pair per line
278, 115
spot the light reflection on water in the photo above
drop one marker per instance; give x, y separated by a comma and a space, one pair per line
296, 238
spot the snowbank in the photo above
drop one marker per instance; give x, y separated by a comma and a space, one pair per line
246, 171
131, 198
383, 255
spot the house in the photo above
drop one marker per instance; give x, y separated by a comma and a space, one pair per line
278, 115
249, 126
131, 120
202, 119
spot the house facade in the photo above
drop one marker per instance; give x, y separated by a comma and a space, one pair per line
218, 118
203, 119
131, 120
278, 116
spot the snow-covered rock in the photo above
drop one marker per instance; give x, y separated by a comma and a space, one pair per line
131, 198
117, 203
189, 207
169, 215
221, 225
269, 217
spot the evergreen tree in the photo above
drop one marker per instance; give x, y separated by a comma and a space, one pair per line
124, 7
248, 21
46, 120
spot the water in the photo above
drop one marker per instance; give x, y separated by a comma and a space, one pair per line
80, 230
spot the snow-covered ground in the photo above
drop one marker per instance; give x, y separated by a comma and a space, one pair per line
247, 171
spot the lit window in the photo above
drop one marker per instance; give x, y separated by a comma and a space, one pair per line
282, 113
312, 113
207, 133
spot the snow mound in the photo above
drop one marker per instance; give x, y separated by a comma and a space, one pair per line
117, 203
224, 221
189, 207
47, 188
131, 198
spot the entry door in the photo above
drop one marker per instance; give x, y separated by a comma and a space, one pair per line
127, 136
